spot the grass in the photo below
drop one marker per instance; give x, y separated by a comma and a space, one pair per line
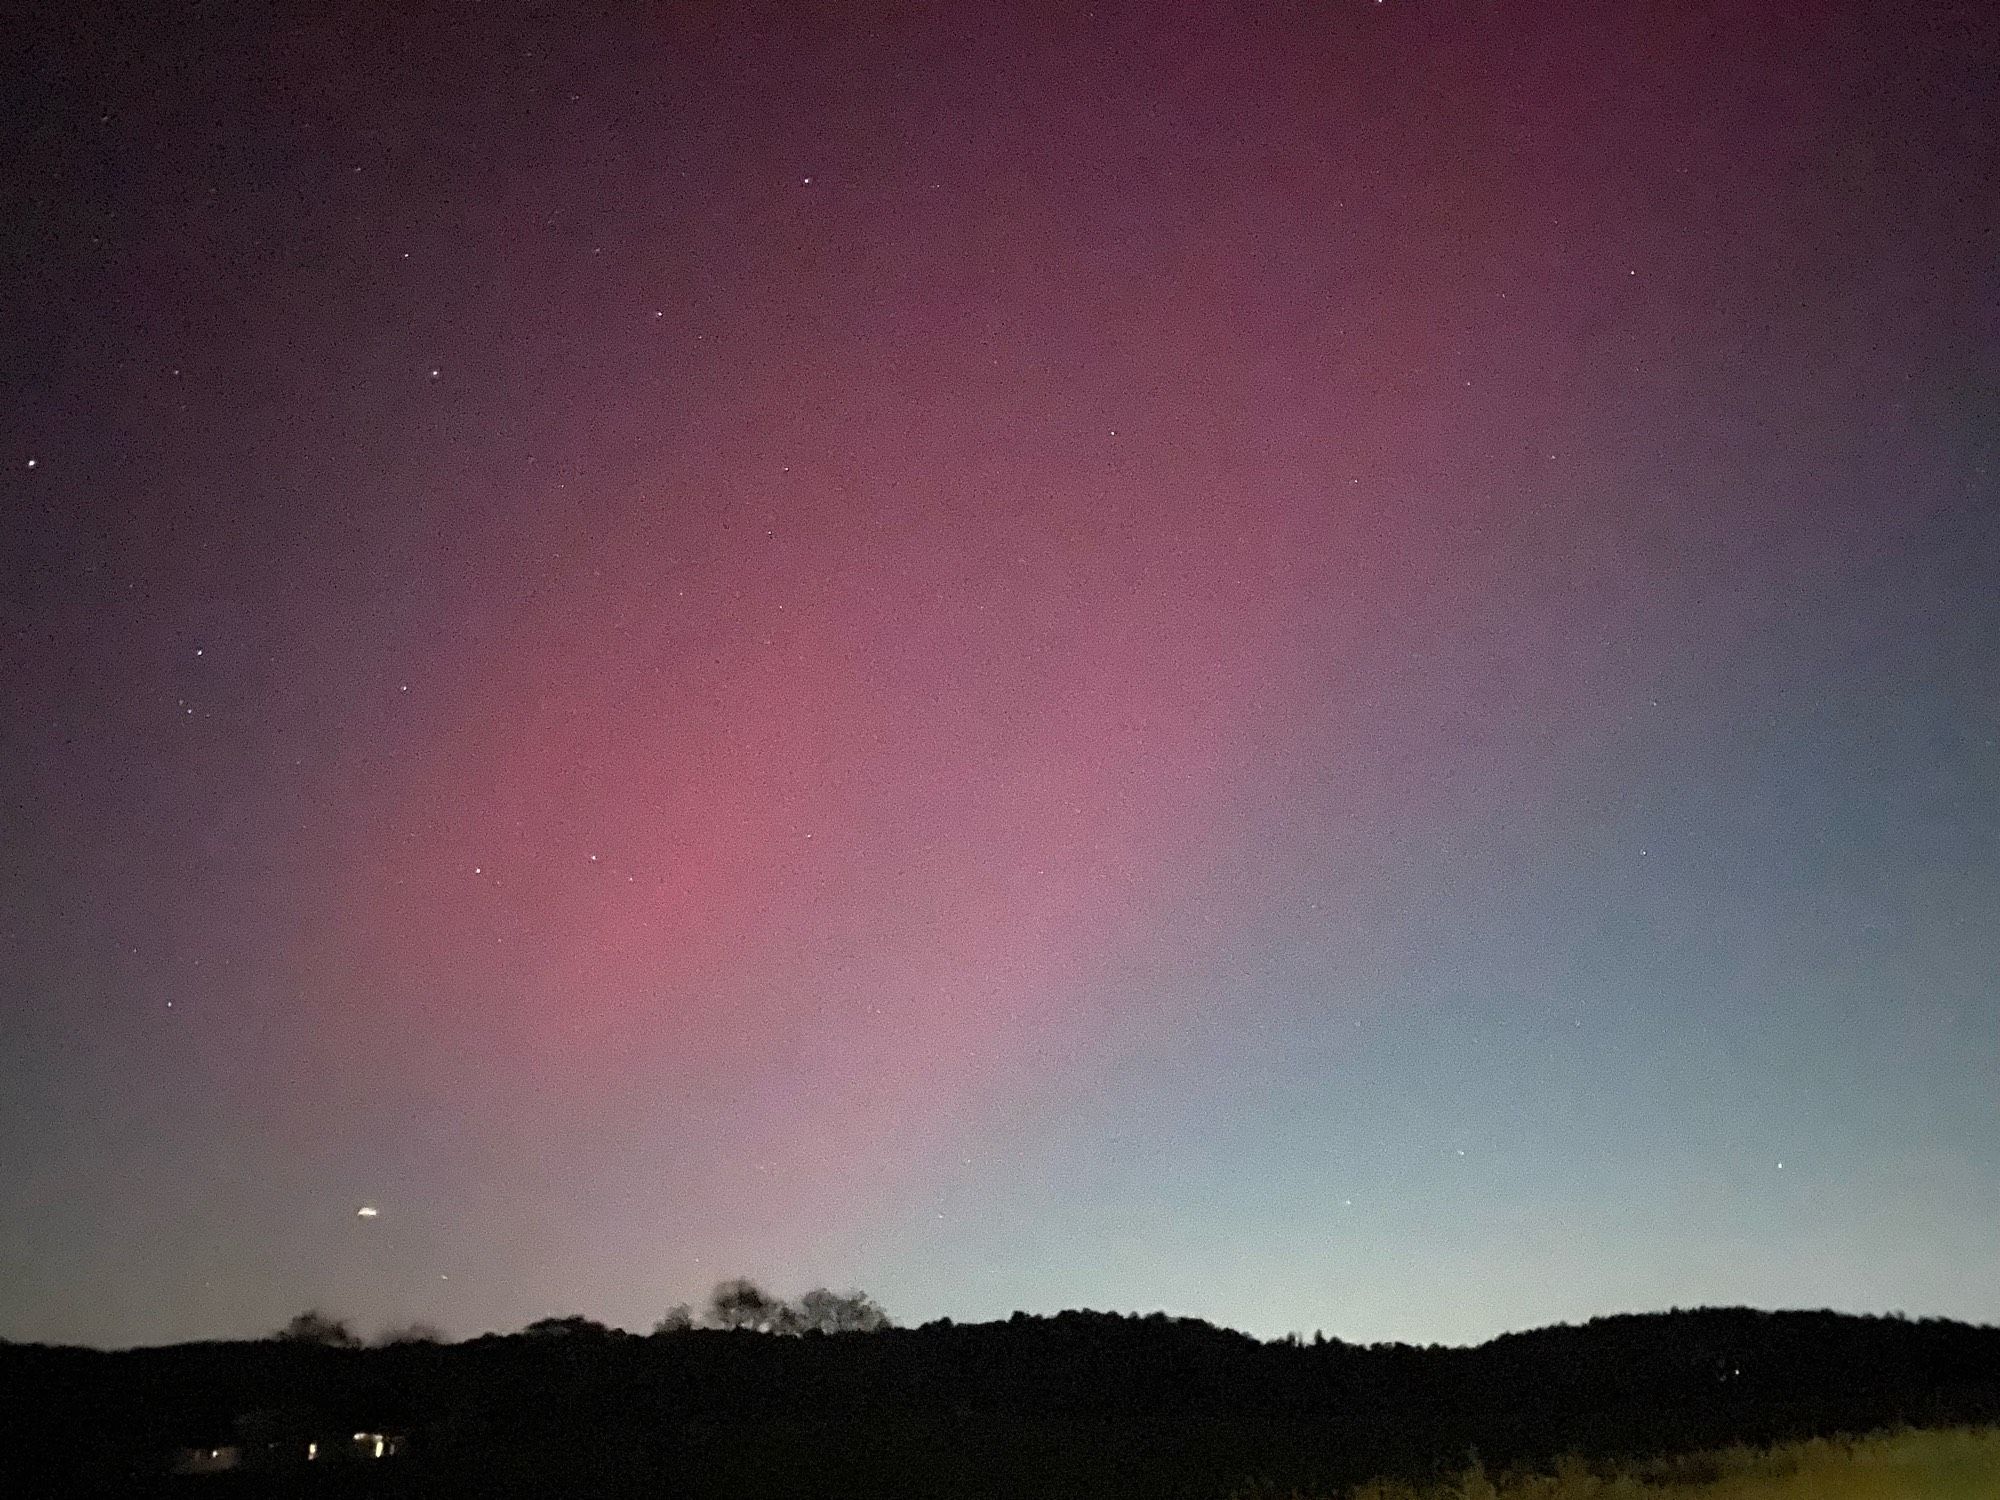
1950, 1464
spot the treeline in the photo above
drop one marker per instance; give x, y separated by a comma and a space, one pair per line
736, 1304
1080, 1404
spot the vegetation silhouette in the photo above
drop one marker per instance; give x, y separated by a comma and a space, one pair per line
827, 1400
316, 1327
413, 1333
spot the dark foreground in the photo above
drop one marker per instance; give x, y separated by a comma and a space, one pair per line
1080, 1405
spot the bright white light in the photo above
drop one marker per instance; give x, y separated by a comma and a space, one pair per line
367, 1211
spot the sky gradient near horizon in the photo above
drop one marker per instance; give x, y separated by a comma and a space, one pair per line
1324, 666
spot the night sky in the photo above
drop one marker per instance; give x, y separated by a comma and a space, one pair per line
1321, 665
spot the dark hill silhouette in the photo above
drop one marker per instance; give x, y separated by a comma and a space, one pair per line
1081, 1404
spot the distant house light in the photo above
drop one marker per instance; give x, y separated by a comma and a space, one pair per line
312, 1450
210, 1460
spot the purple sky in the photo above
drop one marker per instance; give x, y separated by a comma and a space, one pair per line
1327, 666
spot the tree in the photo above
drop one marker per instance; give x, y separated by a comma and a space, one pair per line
741, 1303
315, 1327
823, 1311
676, 1319
574, 1326
412, 1333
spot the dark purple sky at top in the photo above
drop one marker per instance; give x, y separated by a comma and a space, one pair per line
1321, 665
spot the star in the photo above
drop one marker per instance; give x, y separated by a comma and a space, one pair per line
367, 1211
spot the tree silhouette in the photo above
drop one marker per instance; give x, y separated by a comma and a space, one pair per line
412, 1333
741, 1303
573, 1326
677, 1319
315, 1327
822, 1311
